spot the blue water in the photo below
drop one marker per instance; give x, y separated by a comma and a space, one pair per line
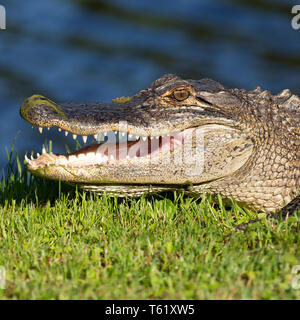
98, 50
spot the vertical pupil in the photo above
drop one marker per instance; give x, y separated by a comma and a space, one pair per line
181, 94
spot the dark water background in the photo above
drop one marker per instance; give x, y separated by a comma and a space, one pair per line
98, 50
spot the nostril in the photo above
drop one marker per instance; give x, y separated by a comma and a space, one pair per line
38, 108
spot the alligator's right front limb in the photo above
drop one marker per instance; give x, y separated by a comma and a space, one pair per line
290, 209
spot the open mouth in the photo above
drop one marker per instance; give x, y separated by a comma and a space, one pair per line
117, 146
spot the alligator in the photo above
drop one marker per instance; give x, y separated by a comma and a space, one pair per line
192, 136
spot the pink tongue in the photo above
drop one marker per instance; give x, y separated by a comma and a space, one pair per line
142, 148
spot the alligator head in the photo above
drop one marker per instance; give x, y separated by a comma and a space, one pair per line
188, 135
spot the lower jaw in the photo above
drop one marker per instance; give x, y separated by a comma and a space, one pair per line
112, 152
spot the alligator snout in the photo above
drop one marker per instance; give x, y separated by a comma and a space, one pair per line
40, 110
77, 118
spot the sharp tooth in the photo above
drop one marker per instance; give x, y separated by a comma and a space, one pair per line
74, 136
130, 135
44, 150
31, 157
123, 134
59, 129
38, 155
61, 161
26, 158
66, 133
90, 155
84, 138
48, 128
40, 130
95, 136
115, 132
72, 158
144, 138
137, 137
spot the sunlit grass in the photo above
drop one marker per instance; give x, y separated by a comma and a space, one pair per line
57, 242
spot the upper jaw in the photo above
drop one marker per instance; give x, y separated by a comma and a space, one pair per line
136, 116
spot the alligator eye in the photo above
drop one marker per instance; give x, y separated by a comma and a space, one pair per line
181, 95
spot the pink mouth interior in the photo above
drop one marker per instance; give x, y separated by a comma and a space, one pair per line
140, 148
109, 151
134, 149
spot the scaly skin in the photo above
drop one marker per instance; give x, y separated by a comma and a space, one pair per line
242, 145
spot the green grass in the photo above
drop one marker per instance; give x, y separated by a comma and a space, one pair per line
57, 242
